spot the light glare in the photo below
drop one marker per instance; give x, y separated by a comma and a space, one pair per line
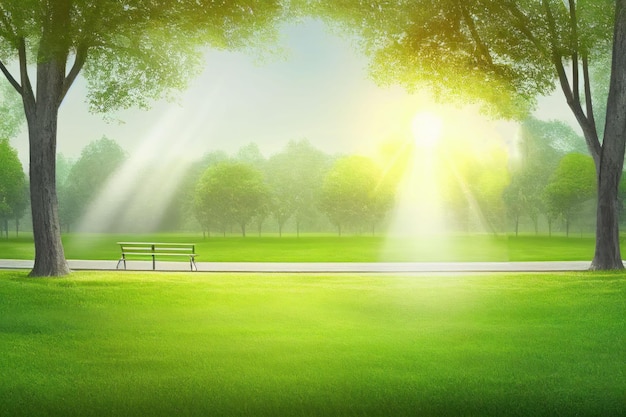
427, 127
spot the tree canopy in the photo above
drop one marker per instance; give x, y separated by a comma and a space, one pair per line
501, 54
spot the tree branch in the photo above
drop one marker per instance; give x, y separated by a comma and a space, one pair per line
588, 97
28, 96
9, 30
521, 23
589, 129
480, 45
79, 62
574, 46
10, 78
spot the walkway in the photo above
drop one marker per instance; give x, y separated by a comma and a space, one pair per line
323, 267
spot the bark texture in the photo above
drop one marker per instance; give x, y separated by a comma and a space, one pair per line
607, 254
42, 116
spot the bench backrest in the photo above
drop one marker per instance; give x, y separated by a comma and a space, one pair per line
161, 248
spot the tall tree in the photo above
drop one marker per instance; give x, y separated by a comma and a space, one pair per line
12, 182
130, 51
505, 53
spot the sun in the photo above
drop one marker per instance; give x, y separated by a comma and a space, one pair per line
427, 127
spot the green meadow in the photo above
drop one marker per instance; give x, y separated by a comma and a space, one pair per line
324, 248
189, 344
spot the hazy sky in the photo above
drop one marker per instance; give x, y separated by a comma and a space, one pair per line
319, 91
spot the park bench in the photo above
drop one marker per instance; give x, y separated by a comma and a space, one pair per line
153, 250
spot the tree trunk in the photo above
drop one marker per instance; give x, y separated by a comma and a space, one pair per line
549, 227
607, 254
42, 134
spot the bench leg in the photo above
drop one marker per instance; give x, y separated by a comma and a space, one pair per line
192, 263
118, 263
153, 262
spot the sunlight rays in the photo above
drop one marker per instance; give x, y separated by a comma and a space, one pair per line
453, 153
137, 196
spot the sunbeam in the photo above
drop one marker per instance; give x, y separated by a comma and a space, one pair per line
136, 197
456, 168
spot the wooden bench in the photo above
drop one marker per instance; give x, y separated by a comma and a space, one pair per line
153, 250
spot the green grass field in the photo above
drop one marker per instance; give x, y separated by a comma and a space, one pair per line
183, 344
315, 248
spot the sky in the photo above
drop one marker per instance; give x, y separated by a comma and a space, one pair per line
319, 90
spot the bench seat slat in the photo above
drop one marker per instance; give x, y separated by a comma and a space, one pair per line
154, 250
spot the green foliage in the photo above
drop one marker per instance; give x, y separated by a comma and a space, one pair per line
541, 146
572, 184
12, 119
13, 186
354, 193
551, 137
133, 51
295, 178
230, 193
145, 344
498, 53
63, 168
87, 176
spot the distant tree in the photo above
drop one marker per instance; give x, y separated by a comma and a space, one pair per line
541, 146
229, 193
353, 195
180, 212
515, 201
97, 162
250, 154
505, 54
12, 120
542, 139
130, 52
63, 168
522, 196
13, 200
477, 174
295, 177
21, 206
571, 185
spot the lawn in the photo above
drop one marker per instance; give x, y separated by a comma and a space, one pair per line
189, 344
320, 248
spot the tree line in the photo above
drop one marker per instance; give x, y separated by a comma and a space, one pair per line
548, 186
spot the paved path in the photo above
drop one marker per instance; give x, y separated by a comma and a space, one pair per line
323, 267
